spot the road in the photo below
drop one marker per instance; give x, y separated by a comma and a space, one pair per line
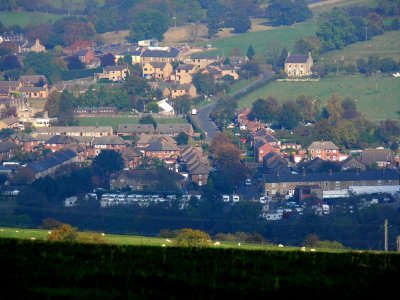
205, 122
203, 114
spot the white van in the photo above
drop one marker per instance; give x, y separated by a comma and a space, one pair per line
235, 198
225, 198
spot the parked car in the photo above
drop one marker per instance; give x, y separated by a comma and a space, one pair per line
248, 181
225, 198
235, 198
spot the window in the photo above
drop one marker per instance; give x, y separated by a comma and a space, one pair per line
337, 183
379, 182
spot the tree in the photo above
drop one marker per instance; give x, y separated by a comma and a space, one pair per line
336, 30
241, 23
136, 86
192, 238
335, 109
182, 138
107, 60
266, 110
250, 52
204, 84
309, 44
182, 105
290, 116
152, 107
311, 240
106, 163
287, 12
149, 24
74, 63
67, 100
9, 62
64, 233
345, 134
148, 120
52, 105
41, 63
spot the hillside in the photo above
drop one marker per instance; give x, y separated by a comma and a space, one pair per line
37, 270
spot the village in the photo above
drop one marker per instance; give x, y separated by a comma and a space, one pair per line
289, 172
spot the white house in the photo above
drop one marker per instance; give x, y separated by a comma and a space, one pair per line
71, 201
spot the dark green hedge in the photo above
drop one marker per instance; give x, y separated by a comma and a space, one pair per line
76, 74
40, 270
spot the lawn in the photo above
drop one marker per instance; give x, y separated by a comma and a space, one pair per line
386, 45
114, 122
323, 6
376, 104
262, 41
24, 19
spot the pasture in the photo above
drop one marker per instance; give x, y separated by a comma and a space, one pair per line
385, 45
262, 41
24, 19
124, 119
377, 98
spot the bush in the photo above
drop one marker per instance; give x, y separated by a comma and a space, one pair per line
64, 233
91, 238
192, 238
50, 223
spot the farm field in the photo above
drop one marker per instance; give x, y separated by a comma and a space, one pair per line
325, 5
376, 104
262, 41
24, 19
114, 122
386, 45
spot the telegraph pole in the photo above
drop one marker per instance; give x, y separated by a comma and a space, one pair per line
398, 243
386, 235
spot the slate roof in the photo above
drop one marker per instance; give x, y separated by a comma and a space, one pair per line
297, 59
8, 85
33, 79
61, 139
173, 128
56, 158
162, 145
180, 86
135, 128
32, 89
10, 120
172, 53
7, 146
22, 137
157, 64
336, 176
151, 174
74, 129
108, 140
186, 67
199, 168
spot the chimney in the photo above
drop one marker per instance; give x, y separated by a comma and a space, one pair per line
330, 172
277, 173
304, 171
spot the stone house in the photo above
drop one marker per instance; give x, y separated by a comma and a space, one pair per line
157, 70
180, 90
298, 65
113, 73
28, 142
184, 73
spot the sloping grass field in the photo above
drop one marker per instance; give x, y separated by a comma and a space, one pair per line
385, 45
42, 270
24, 19
284, 36
377, 98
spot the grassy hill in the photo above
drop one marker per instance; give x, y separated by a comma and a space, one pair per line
376, 104
24, 19
386, 45
37, 270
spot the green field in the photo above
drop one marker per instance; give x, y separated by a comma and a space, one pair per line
24, 19
386, 45
328, 5
284, 36
377, 104
114, 122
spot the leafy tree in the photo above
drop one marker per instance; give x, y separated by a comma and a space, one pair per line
241, 23
290, 116
311, 240
136, 86
204, 84
67, 100
149, 24
182, 105
53, 104
346, 134
336, 30
107, 60
9, 62
64, 233
106, 163
192, 238
41, 63
266, 110
182, 138
50, 223
250, 52
74, 63
152, 107
310, 44
216, 16
335, 109
148, 120
287, 12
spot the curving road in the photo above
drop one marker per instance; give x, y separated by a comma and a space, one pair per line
203, 114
